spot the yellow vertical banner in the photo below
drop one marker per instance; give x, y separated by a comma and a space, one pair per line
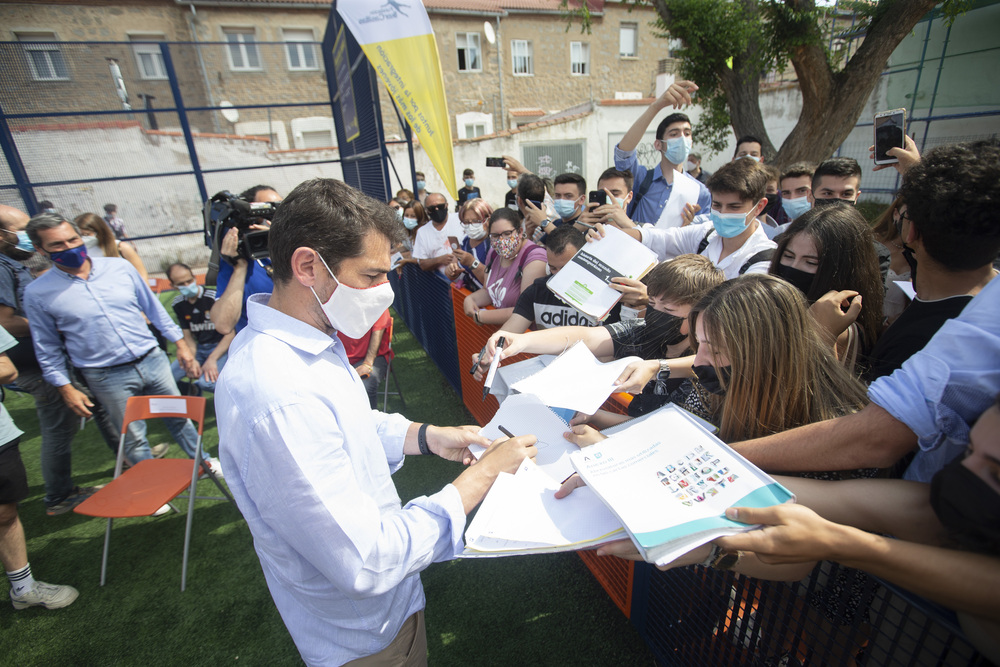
397, 38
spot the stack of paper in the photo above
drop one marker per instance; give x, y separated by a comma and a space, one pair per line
670, 482
521, 515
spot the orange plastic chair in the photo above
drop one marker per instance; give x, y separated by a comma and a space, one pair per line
149, 484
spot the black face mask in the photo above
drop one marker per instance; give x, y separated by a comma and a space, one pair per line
819, 203
664, 326
801, 279
967, 506
773, 205
439, 215
708, 377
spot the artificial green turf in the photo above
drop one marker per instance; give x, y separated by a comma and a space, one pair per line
520, 610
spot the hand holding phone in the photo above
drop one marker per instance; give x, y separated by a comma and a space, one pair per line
890, 132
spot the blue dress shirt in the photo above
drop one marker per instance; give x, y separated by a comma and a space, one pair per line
97, 322
942, 390
309, 464
651, 205
257, 282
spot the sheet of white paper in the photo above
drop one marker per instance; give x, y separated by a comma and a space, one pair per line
511, 373
575, 380
907, 288
521, 512
522, 414
395, 260
168, 405
685, 190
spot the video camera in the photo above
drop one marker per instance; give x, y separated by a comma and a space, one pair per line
225, 211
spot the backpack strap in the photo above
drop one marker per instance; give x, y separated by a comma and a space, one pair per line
704, 243
641, 192
762, 256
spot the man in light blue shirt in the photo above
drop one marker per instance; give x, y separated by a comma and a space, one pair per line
673, 141
89, 312
310, 461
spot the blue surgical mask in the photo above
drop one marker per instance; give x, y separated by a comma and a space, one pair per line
564, 207
188, 291
421, 185
796, 207
677, 149
728, 225
620, 202
469, 182
511, 183
72, 258
410, 223
23, 241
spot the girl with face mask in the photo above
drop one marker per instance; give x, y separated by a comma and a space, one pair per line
414, 217
474, 214
101, 242
833, 249
512, 264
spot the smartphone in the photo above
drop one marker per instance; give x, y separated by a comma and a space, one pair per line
453, 242
890, 132
496, 162
599, 197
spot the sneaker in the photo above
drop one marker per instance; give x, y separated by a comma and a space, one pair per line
77, 496
165, 509
45, 595
160, 450
216, 467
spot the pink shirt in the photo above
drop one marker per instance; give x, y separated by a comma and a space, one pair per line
504, 283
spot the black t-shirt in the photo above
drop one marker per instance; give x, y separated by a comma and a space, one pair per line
510, 199
463, 195
195, 317
538, 304
910, 333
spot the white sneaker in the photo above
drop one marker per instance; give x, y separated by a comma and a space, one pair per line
216, 467
45, 595
166, 509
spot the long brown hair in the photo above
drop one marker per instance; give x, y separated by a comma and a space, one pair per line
783, 375
95, 224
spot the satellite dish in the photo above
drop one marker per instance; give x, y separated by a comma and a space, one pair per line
228, 112
491, 36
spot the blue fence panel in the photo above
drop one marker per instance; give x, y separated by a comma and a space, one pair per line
423, 300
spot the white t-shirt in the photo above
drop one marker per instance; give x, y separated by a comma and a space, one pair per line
431, 242
669, 243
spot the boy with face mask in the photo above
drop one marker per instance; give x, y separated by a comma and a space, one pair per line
469, 191
673, 141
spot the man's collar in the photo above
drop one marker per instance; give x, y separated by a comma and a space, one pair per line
284, 327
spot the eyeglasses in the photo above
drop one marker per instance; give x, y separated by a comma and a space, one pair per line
503, 235
439, 207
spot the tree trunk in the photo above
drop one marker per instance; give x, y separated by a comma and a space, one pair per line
832, 102
742, 87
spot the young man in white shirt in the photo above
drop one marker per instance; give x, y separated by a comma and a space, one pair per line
735, 242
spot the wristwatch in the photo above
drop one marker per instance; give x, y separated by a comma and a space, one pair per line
721, 559
664, 372
544, 223
475, 264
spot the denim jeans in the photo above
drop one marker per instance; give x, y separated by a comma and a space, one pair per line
374, 379
151, 376
201, 354
58, 425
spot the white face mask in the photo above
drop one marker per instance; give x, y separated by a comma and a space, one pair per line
355, 311
475, 231
90, 241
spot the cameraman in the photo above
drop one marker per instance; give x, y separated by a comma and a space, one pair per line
238, 278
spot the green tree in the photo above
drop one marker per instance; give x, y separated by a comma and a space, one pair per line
729, 45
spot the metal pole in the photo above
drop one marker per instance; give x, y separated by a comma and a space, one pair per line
16, 166
168, 64
937, 80
503, 108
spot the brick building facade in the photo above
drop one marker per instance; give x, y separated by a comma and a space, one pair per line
253, 52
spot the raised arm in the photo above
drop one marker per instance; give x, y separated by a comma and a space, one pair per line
678, 94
